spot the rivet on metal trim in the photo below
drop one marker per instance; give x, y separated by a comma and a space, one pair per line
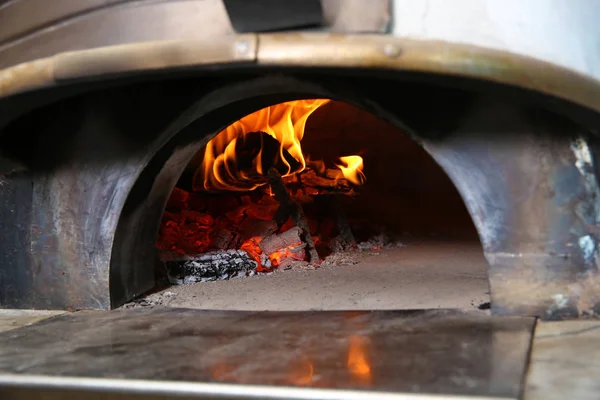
391, 51
242, 47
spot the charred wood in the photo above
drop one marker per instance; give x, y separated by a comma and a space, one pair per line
290, 207
287, 239
309, 182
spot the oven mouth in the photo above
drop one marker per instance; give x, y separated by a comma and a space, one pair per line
170, 170
486, 138
310, 184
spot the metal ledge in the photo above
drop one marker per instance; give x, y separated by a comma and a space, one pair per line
31, 386
147, 353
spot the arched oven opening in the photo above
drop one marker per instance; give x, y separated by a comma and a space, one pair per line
321, 198
101, 167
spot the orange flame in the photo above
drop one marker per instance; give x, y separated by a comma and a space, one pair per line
284, 122
352, 167
287, 252
234, 160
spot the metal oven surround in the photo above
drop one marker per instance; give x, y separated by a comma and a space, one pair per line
516, 133
267, 355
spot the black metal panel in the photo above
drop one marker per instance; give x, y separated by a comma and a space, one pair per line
273, 15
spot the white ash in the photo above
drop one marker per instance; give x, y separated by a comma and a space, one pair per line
152, 300
363, 249
212, 266
265, 260
298, 265
342, 258
379, 242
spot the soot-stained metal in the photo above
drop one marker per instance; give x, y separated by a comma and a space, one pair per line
530, 185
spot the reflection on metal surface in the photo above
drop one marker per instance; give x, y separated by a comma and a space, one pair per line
440, 352
358, 364
302, 373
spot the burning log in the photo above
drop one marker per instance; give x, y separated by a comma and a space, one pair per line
289, 238
212, 266
224, 239
290, 207
309, 182
285, 248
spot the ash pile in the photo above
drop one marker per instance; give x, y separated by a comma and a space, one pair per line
211, 266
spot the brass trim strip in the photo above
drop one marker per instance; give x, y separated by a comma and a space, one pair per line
309, 50
126, 58
26, 77
152, 56
394, 53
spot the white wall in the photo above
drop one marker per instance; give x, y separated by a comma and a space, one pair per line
564, 32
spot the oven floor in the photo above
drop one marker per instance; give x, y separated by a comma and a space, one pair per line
416, 276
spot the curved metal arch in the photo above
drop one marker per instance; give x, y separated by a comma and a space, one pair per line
131, 272
305, 50
163, 163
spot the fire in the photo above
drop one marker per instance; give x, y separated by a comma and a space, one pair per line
288, 252
236, 160
251, 247
352, 167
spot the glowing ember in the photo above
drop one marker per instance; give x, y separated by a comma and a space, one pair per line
292, 252
236, 161
251, 247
